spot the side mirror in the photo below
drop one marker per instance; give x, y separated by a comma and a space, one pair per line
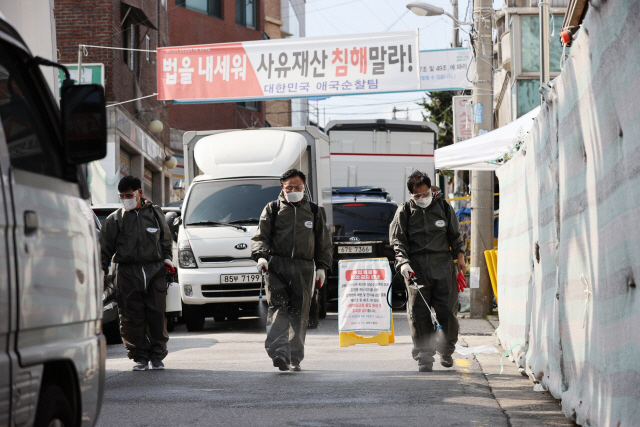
84, 120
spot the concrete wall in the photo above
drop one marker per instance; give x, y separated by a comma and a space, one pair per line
569, 241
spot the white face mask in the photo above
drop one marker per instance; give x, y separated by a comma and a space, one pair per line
425, 202
130, 204
294, 197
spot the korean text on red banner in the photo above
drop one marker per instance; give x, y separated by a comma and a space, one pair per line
290, 68
362, 295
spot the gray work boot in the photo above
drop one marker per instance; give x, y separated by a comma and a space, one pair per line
141, 365
295, 366
157, 364
446, 360
280, 363
425, 367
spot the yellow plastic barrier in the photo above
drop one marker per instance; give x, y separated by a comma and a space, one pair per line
383, 338
492, 265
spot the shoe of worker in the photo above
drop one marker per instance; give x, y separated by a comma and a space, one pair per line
141, 365
425, 367
157, 364
446, 360
295, 366
280, 363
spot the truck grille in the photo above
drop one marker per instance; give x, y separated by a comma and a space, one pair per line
231, 287
225, 294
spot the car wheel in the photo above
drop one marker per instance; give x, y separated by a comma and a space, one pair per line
111, 332
171, 323
322, 303
218, 318
54, 408
193, 317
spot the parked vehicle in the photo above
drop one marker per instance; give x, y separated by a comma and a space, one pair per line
381, 153
231, 176
361, 219
52, 352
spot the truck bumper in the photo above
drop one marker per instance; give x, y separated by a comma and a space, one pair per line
206, 287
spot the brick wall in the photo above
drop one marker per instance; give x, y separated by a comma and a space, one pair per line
97, 22
187, 27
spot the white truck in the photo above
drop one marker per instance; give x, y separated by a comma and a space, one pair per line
231, 175
381, 153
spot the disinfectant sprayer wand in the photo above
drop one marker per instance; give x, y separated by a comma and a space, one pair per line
262, 283
434, 319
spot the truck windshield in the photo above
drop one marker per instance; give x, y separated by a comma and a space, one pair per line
363, 218
233, 201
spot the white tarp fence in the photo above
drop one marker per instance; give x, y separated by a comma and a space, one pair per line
484, 151
569, 260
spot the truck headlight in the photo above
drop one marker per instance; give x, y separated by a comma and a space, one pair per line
186, 259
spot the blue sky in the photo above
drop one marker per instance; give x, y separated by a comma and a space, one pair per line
340, 17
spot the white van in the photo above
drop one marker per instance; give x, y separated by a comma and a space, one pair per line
232, 175
52, 353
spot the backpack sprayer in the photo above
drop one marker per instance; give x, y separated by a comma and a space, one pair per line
412, 279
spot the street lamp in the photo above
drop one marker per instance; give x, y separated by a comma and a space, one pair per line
421, 8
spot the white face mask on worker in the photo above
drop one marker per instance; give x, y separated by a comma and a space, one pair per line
424, 202
130, 204
294, 197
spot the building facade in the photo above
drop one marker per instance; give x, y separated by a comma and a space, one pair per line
517, 57
132, 149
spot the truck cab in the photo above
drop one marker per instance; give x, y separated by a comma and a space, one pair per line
52, 352
231, 177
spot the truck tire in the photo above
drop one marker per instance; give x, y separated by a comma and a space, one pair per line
111, 332
322, 303
54, 408
193, 317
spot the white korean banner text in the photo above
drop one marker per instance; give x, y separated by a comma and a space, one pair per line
290, 68
446, 69
362, 295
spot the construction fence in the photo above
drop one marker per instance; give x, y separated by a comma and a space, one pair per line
569, 228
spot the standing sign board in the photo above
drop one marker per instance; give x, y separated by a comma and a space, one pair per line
290, 68
362, 295
91, 74
445, 69
462, 118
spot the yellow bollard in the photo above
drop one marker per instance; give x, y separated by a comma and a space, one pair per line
492, 265
383, 338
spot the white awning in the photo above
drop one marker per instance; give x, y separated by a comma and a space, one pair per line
478, 153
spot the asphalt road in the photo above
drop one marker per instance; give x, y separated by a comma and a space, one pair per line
222, 376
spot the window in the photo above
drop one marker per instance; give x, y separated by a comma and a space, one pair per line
528, 95
208, 7
249, 105
147, 46
246, 13
129, 37
29, 139
530, 36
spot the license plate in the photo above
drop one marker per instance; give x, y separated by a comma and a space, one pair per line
239, 278
355, 249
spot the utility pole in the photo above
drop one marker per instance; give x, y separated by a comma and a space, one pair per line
482, 181
394, 112
543, 9
454, 13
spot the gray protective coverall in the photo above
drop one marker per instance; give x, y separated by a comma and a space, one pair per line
428, 239
134, 241
299, 239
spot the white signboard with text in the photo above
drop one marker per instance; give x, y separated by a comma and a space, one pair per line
462, 118
362, 295
445, 69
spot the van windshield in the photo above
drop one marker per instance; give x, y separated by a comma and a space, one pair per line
352, 219
233, 201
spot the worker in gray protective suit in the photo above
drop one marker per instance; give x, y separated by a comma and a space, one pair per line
291, 237
426, 238
138, 239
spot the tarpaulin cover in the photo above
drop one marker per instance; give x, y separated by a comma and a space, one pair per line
483, 151
570, 237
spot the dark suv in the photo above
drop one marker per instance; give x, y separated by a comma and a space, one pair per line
361, 219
